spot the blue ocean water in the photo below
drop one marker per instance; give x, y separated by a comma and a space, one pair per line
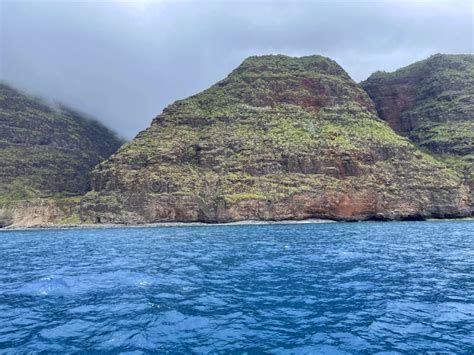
331, 288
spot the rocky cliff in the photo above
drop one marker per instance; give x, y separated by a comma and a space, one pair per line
432, 103
279, 138
45, 152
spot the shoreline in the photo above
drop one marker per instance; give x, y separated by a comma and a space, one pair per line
204, 224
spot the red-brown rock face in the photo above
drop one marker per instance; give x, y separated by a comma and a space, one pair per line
431, 102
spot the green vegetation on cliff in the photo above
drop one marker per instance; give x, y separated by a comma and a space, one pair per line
45, 150
432, 103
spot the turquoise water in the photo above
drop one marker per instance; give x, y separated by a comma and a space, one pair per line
296, 289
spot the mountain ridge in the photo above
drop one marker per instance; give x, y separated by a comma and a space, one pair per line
279, 138
431, 102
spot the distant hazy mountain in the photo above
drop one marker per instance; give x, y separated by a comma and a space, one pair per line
45, 150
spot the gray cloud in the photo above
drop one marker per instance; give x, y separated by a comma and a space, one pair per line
123, 62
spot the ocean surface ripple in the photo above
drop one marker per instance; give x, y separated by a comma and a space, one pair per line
332, 288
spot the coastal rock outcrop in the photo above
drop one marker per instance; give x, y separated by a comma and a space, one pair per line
279, 138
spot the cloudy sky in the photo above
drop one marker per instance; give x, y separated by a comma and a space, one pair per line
124, 61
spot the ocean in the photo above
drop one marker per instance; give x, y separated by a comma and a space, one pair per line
323, 288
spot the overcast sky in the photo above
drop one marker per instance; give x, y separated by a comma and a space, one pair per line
124, 61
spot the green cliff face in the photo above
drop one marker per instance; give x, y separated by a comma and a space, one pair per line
279, 138
432, 103
46, 151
